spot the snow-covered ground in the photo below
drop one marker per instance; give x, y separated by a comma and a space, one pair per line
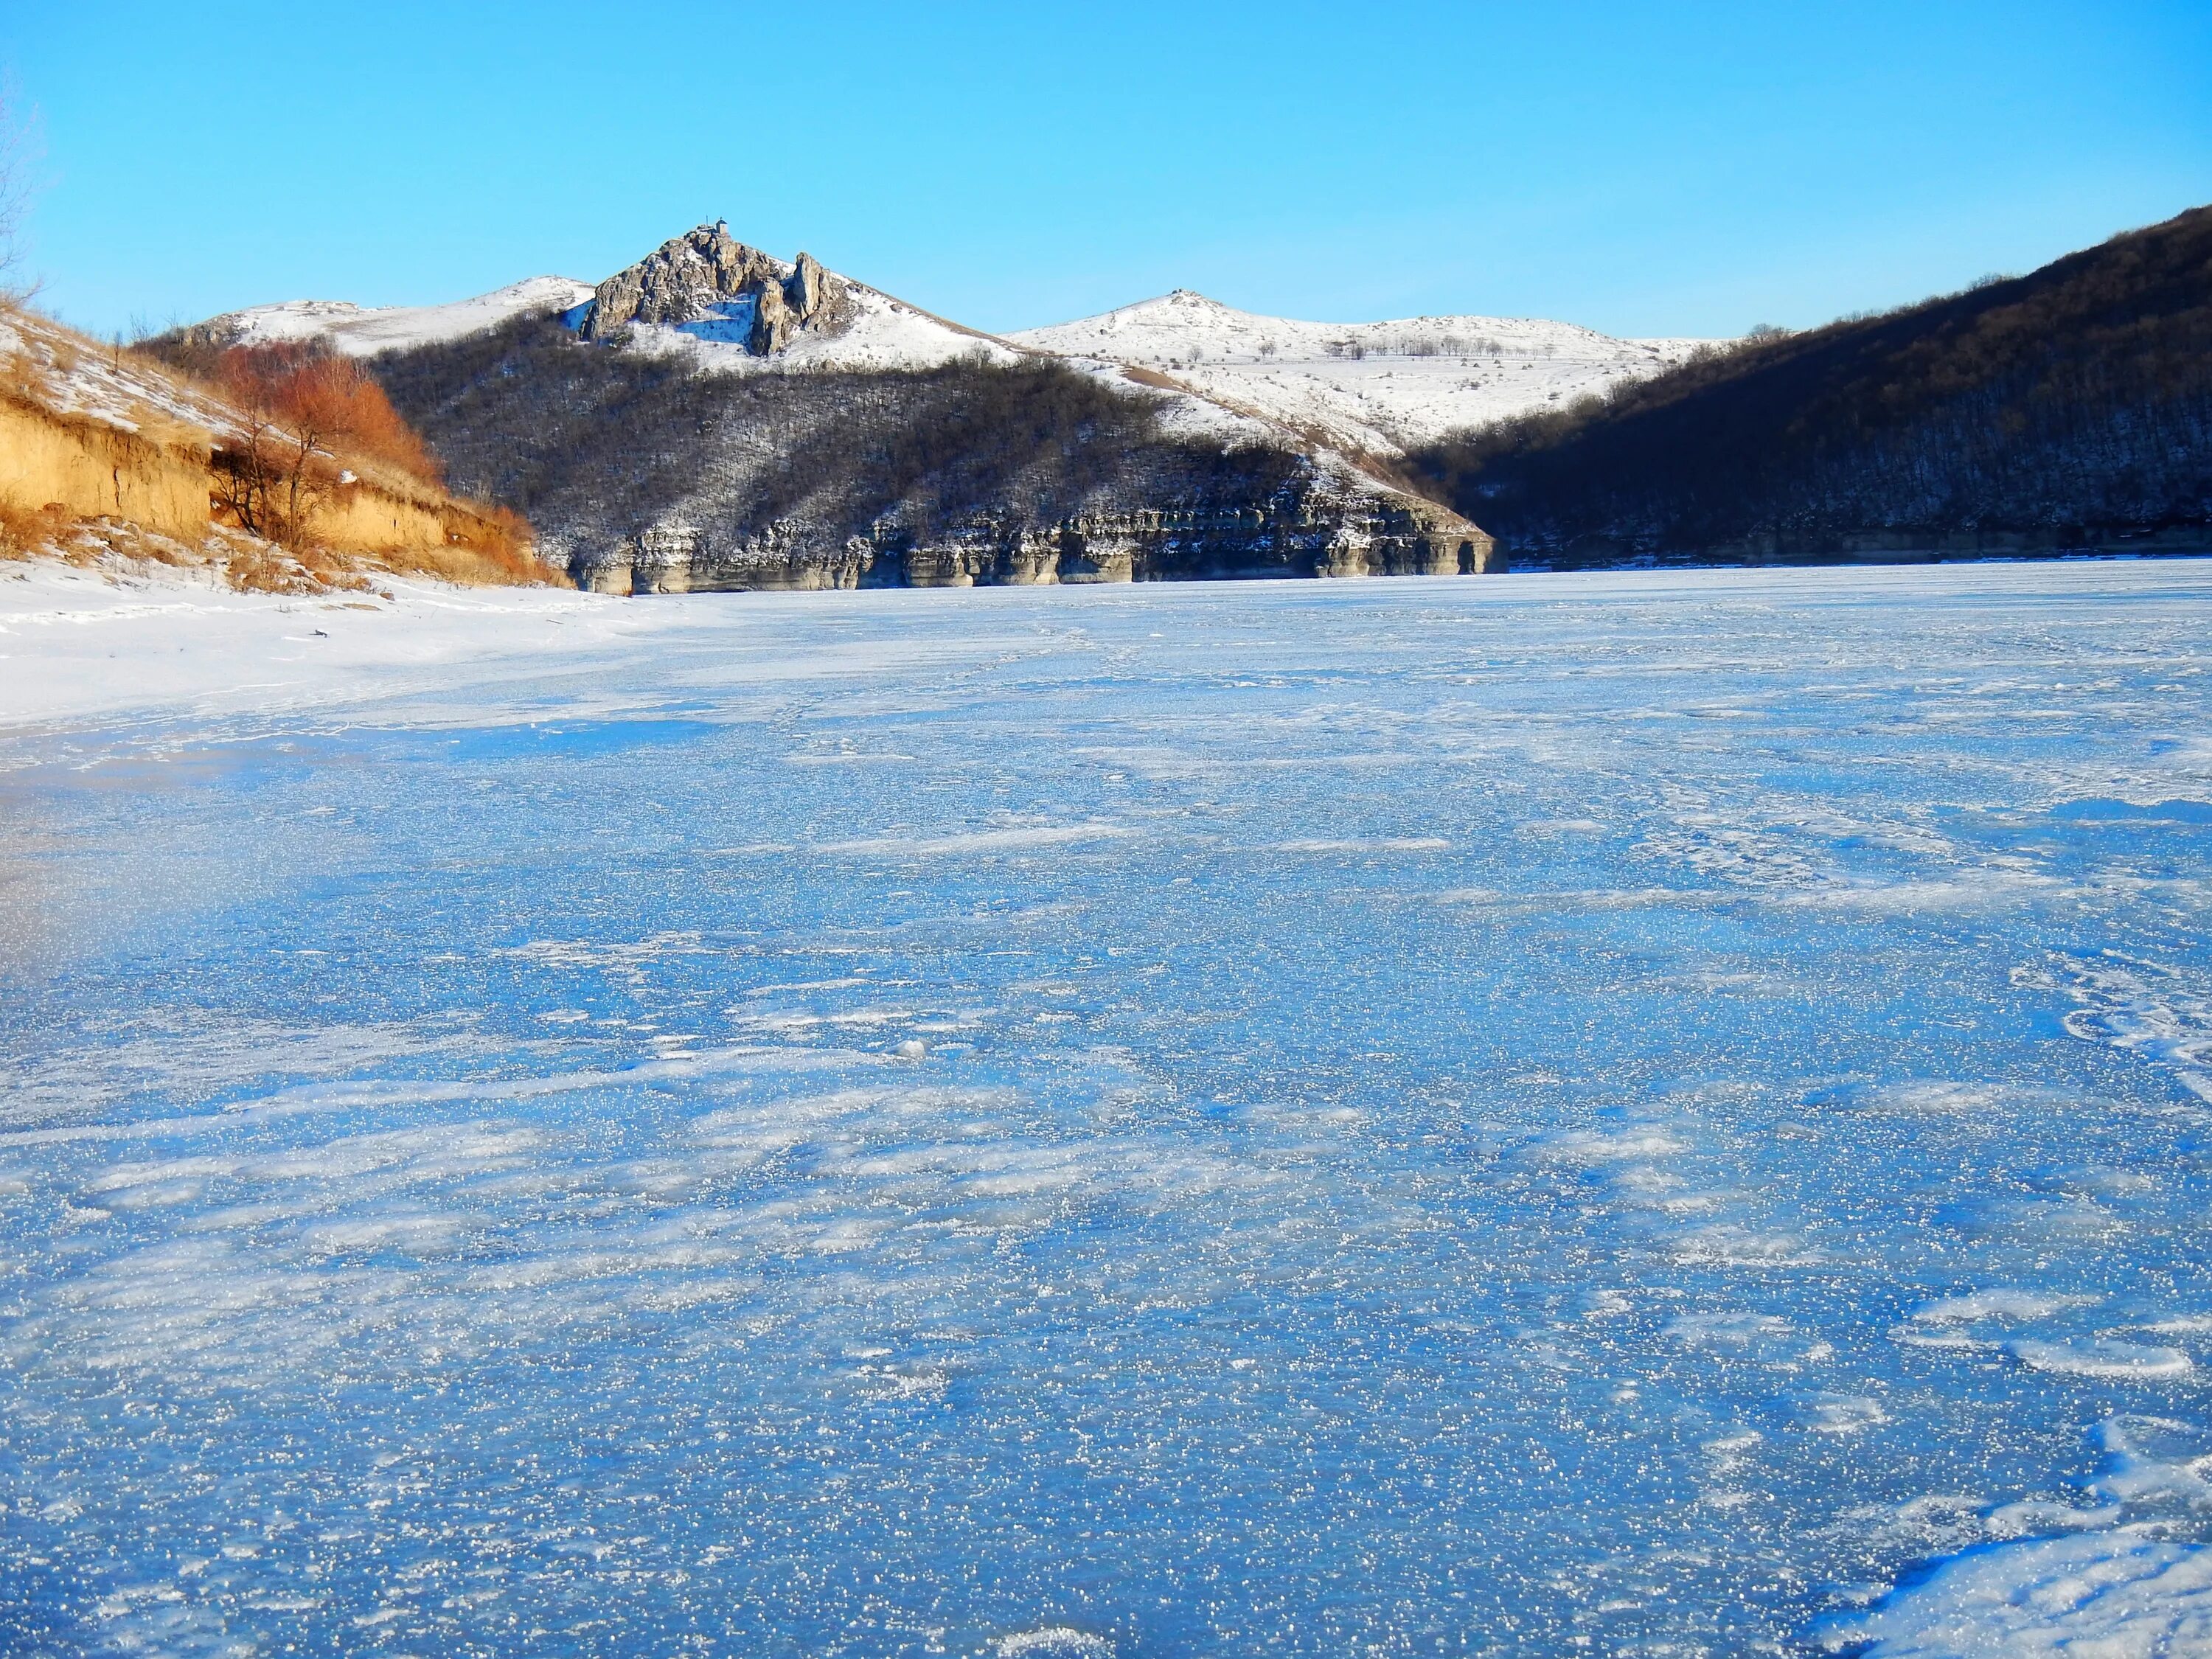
68, 374
77, 645
360, 330
1381, 386
1619, 1113
884, 333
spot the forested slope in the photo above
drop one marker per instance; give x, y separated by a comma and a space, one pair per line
2068, 408
646, 470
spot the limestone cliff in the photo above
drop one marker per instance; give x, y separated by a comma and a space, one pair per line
1306, 529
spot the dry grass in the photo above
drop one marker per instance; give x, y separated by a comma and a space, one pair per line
87, 468
24, 532
84, 485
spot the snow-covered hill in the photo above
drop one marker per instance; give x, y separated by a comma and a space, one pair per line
359, 331
1379, 386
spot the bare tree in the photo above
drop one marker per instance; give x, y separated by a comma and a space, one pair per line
18, 151
267, 478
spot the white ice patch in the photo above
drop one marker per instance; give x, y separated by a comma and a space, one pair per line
1027, 838
2118, 1594
1999, 1303
1728, 1245
2102, 1357
1380, 844
1054, 1642
2155, 1461
2139, 1006
1735, 1329
1591, 1147
1840, 1414
1938, 1096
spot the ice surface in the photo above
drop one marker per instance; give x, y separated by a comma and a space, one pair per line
1634, 1114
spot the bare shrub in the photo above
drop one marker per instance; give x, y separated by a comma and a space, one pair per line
18, 151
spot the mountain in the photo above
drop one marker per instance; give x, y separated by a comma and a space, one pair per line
1384, 387
2071, 409
702, 294
713, 417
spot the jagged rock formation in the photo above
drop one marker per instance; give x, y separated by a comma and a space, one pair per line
707, 282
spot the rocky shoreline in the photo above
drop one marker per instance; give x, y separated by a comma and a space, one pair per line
1373, 536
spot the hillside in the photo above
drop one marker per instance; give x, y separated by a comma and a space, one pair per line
1382, 387
109, 454
716, 418
2071, 409
646, 472
359, 331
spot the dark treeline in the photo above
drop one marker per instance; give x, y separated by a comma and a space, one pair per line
592, 445
2068, 408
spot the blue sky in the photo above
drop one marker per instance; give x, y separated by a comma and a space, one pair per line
1644, 169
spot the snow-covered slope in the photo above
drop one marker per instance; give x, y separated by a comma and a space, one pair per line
359, 331
880, 332
70, 377
1380, 387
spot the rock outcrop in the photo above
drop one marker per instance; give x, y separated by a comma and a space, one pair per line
1307, 530
709, 282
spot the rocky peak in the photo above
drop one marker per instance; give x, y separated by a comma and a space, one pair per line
707, 277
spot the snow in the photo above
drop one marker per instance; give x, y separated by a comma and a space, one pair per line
359, 330
1321, 1117
2131, 1580
2119, 1595
885, 333
70, 374
1381, 386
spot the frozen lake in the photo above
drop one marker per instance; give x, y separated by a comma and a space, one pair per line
1625, 1114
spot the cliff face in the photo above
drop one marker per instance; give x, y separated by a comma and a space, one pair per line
707, 283
1307, 529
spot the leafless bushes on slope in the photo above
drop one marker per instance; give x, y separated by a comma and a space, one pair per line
596, 445
2070, 406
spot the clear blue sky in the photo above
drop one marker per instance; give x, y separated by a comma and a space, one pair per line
1644, 169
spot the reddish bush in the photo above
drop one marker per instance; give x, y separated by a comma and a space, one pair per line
308, 388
